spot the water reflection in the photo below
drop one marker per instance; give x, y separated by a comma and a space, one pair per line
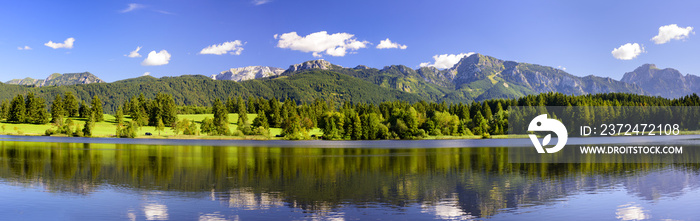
246, 199
155, 211
631, 211
447, 208
214, 217
335, 183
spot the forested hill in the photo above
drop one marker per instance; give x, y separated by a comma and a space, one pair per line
201, 90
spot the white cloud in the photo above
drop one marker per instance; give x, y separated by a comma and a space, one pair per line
68, 43
146, 74
627, 51
446, 60
231, 47
164, 12
24, 48
131, 7
562, 68
134, 53
155, 59
386, 44
669, 32
337, 44
260, 2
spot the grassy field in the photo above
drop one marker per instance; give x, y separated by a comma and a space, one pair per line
108, 128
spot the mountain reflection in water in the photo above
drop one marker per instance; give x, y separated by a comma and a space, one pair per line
173, 182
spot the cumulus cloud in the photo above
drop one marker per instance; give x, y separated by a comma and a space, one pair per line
627, 51
146, 74
562, 68
231, 47
260, 2
24, 48
337, 44
672, 32
155, 59
131, 7
443, 61
134, 53
386, 44
68, 43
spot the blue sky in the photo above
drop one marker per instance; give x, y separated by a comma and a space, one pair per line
577, 36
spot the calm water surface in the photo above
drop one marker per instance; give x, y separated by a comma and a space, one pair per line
103, 181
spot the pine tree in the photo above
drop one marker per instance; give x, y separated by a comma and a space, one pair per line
230, 105
97, 109
356, 128
84, 110
242, 114
17, 109
480, 125
239, 103
4, 109
243, 126
261, 120
274, 116
167, 110
70, 105
292, 128
119, 117
220, 118
251, 107
487, 111
89, 124
138, 113
57, 111
36, 110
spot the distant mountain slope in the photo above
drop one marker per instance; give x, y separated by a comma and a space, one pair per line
479, 73
666, 82
304, 86
26, 81
247, 73
57, 79
476, 77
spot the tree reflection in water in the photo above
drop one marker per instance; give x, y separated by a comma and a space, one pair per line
450, 183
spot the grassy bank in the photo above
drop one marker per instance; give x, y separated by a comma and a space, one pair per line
108, 127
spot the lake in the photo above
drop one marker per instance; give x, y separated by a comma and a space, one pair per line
47, 178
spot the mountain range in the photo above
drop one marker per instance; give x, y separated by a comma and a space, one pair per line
667, 82
480, 77
247, 73
474, 78
57, 79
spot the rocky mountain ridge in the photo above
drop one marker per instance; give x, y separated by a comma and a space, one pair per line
57, 79
247, 73
666, 82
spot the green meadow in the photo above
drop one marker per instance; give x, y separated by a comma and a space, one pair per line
108, 127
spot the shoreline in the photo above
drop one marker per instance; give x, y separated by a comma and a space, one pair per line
385, 144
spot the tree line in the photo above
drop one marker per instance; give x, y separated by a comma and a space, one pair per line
346, 121
387, 120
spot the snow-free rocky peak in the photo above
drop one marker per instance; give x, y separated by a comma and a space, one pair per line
313, 64
247, 73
